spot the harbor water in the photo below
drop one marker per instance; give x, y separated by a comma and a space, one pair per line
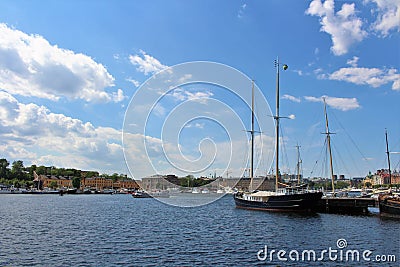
118, 230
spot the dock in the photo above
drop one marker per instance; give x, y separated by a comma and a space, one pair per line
346, 205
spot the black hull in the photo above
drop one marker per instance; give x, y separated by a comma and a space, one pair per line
301, 202
389, 208
141, 195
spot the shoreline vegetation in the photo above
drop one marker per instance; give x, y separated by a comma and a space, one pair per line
20, 176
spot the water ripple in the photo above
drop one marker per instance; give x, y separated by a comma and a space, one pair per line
115, 230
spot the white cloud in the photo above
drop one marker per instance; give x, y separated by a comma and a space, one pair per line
343, 26
118, 96
340, 103
241, 11
195, 125
388, 16
31, 66
134, 82
159, 110
33, 133
291, 98
185, 78
183, 95
371, 76
146, 63
353, 62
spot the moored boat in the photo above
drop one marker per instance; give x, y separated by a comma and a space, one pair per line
160, 194
287, 198
389, 206
153, 194
140, 194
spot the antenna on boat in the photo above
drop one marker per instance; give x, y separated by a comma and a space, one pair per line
276, 117
328, 139
388, 157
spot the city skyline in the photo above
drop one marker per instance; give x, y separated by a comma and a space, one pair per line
68, 72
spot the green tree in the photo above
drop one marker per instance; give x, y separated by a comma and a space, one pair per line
91, 174
28, 184
17, 170
31, 169
16, 183
115, 177
4, 170
69, 172
53, 184
76, 182
41, 170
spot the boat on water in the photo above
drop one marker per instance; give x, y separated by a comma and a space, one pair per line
205, 191
140, 194
389, 204
285, 198
220, 191
160, 194
195, 190
153, 194
7, 190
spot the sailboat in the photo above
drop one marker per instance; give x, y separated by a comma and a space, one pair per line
285, 199
389, 205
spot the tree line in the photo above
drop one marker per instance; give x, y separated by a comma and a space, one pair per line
20, 176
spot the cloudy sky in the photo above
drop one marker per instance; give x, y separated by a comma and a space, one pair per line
70, 69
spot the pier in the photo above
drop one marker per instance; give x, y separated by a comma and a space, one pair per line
345, 205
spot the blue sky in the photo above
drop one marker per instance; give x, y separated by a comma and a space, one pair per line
68, 71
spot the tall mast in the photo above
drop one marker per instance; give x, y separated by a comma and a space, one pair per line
388, 157
252, 137
328, 138
276, 117
277, 126
298, 164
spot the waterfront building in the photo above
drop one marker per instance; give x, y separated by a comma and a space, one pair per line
381, 177
158, 181
163, 182
48, 180
128, 184
99, 183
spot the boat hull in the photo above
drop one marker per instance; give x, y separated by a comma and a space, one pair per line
301, 202
143, 194
140, 195
389, 207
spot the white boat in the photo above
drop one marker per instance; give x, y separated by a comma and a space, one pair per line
174, 190
195, 190
10, 190
160, 194
6, 191
205, 191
